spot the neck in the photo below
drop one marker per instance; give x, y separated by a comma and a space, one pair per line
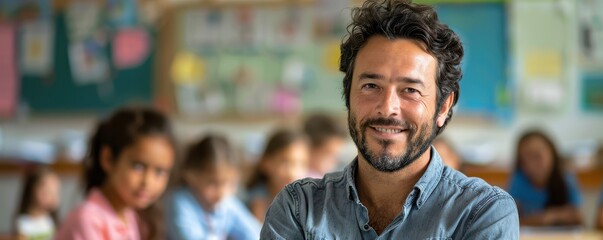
376, 188
114, 200
37, 212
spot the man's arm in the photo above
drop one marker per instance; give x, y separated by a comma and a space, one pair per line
282, 219
495, 217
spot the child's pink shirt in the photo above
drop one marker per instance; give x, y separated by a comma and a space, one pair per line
95, 219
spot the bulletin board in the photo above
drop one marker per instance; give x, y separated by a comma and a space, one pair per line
482, 27
58, 92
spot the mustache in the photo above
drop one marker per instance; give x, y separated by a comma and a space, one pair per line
385, 122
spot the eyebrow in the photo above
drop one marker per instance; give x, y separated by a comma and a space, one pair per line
377, 76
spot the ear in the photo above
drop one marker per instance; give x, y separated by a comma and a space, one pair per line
443, 112
106, 159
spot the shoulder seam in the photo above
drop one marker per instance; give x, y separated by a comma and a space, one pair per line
496, 195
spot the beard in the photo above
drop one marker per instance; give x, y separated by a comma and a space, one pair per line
418, 140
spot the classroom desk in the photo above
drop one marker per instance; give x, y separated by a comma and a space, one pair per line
536, 233
589, 178
61, 166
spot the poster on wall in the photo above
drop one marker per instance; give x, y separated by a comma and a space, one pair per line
121, 13
131, 47
542, 56
195, 26
83, 21
289, 27
25, 10
37, 43
8, 75
591, 31
88, 61
88, 41
592, 92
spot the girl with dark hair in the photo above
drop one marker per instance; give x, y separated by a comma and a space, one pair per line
127, 168
203, 205
285, 159
544, 193
36, 217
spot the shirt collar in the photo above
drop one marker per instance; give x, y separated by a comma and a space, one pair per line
350, 183
430, 179
98, 198
424, 187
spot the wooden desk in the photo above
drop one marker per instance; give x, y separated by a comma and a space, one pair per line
588, 178
556, 234
62, 167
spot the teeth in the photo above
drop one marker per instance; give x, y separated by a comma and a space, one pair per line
385, 130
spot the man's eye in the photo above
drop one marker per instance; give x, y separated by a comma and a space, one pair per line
369, 86
410, 90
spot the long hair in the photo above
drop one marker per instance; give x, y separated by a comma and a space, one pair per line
31, 181
278, 141
556, 187
121, 130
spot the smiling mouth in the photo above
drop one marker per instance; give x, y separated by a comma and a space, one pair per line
388, 130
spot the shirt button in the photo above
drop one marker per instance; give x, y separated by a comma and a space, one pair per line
366, 227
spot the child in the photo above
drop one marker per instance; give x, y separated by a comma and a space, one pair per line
326, 142
544, 193
203, 206
126, 170
284, 160
36, 217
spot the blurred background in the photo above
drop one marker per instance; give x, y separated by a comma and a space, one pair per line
242, 67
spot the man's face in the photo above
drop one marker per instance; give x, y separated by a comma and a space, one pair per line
393, 117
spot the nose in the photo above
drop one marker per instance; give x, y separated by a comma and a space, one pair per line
389, 103
147, 178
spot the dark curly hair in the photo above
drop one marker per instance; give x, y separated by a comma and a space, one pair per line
396, 19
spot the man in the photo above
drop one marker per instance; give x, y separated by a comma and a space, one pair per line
402, 68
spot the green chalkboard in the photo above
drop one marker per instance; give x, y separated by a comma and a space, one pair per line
58, 92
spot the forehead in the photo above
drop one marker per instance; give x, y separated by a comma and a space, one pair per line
534, 143
153, 150
403, 57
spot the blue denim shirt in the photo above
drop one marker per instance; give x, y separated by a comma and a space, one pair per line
444, 204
